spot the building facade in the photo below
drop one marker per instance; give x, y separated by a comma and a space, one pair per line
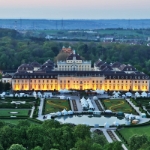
77, 74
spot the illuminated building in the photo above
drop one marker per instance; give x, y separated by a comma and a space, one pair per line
74, 73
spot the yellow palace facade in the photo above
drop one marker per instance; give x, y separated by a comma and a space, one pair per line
74, 73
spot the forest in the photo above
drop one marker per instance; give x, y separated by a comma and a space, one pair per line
51, 135
17, 48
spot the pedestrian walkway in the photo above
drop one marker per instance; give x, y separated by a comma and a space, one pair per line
146, 110
101, 104
124, 147
32, 112
41, 107
135, 107
109, 139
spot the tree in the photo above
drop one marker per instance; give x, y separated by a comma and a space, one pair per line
84, 144
136, 141
1, 86
1, 147
6, 86
37, 148
96, 146
35, 136
82, 131
62, 56
99, 139
17, 147
113, 146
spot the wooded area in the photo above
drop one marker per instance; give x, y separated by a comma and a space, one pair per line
52, 135
16, 49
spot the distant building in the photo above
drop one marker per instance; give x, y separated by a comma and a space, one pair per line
7, 78
67, 50
73, 63
108, 39
48, 37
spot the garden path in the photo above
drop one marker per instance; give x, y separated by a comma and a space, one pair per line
136, 108
32, 111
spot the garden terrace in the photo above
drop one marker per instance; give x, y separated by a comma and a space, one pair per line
54, 105
14, 112
18, 102
117, 105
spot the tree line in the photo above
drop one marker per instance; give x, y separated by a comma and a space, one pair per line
51, 135
15, 51
5, 86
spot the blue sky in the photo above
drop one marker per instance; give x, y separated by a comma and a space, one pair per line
75, 9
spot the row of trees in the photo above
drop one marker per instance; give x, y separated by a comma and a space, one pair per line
51, 135
5, 86
14, 52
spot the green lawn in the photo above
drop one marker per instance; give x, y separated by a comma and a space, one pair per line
129, 132
21, 112
144, 102
55, 105
116, 105
15, 121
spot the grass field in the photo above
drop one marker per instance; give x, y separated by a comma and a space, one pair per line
116, 105
56, 105
15, 121
21, 112
129, 132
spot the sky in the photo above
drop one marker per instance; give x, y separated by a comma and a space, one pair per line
75, 9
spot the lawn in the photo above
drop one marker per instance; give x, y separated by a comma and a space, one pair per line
116, 105
55, 105
143, 102
15, 121
21, 112
129, 132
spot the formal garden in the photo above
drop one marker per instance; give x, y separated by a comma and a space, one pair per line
116, 105
54, 105
142, 102
14, 112
18, 107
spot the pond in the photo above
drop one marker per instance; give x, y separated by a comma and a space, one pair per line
90, 120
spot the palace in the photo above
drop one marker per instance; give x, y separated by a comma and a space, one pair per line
77, 74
